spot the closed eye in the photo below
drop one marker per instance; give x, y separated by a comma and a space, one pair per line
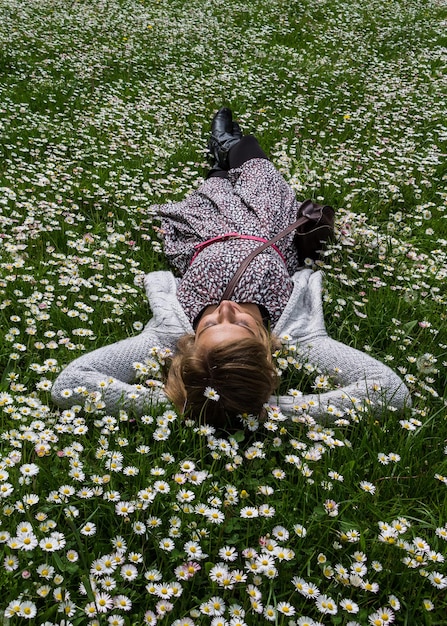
244, 324
211, 323
208, 324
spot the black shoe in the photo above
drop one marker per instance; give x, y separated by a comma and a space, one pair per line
224, 135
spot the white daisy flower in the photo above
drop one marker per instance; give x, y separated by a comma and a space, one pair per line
211, 394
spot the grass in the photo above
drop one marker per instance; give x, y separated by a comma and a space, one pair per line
105, 109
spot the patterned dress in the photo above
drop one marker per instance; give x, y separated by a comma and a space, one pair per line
254, 200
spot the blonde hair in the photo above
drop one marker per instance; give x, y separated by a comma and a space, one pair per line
242, 374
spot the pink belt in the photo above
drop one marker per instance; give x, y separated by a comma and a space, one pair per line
201, 246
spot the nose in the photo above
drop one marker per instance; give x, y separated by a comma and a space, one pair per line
227, 311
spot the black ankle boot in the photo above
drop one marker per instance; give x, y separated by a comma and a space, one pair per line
224, 135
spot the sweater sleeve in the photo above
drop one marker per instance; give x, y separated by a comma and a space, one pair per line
359, 377
106, 377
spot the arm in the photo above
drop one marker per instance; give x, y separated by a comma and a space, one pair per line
360, 376
110, 372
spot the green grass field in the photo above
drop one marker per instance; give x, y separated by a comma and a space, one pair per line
105, 107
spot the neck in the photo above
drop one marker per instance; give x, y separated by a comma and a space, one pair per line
249, 307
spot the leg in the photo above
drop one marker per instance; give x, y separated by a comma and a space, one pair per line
217, 172
247, 148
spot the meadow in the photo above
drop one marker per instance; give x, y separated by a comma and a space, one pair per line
105, 108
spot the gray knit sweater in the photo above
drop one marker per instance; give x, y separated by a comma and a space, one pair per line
110, 372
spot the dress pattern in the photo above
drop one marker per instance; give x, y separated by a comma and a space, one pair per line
254, 200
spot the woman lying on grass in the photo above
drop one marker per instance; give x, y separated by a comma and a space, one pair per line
222, 365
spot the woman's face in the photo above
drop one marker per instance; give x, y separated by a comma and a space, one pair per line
229, 321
